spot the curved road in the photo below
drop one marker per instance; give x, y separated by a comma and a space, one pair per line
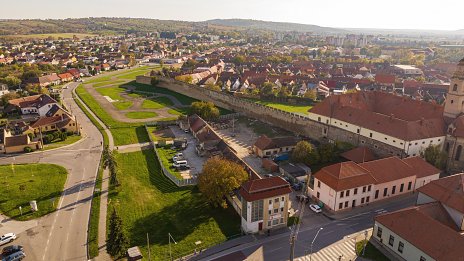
62, 235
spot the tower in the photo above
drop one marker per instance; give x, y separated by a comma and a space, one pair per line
454, 104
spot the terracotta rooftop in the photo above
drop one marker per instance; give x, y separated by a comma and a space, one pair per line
359, 155
32, 101
258, 189
265, 143
429, 228
448, 190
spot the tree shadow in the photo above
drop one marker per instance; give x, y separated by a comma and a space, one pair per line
142, 135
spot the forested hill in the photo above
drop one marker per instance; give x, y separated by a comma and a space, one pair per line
275, 26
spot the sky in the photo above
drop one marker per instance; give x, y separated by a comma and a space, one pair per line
392, 14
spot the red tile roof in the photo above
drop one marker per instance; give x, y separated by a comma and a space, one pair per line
421, 169
258, 189
448, 190
345, 175
429, 228
265, 143
359, 155
385, 78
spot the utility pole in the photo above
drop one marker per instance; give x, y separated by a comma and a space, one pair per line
312, 243
296, 227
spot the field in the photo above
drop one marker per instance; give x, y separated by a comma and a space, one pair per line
141, 114
371, 252
295, 108
114, 93
22, 183
45, 36
123, 133
166, 155
185, 100
149, 203
157, 103
69, 140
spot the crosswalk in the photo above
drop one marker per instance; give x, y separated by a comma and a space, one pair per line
343, 251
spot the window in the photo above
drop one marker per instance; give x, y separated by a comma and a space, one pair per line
244, 210
364, 189
367, 199
275, 222
391, 240
318, 119
379, 232
282, 199
318, 184
422, 259
340, 206
355, 191
362, 200
393, 190
342, 194
276, 200
409, 185
452, 101
457, 156
401, 187
357, 131
362, 142
385, 138
281, 209
270, 201
369, 188
347, 193
370, 135
346, 204
318, 195
269, 223
270, 212
385, 191
455, 87
400, 247
276, 210
281, 220
376, 194
257, 210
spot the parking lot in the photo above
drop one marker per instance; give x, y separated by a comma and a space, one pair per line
194, 161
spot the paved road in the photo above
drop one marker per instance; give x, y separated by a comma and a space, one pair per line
62, 235
277, 247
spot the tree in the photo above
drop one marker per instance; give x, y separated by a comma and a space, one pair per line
239, 59
267, 89
220, 177
117, 241
154, 81
311, 94
11, 81
435, 156
213, 87
9, 96
206, 110
327, 152
110, 162
305, 153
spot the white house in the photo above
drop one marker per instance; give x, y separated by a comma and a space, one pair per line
37, 104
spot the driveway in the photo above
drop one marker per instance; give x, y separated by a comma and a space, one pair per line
196, 162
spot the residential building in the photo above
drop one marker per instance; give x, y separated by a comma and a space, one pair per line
359, 155
295, 172
265, 204
265, 147
431, 230
16, 144
37, 104
3, 89
348, 184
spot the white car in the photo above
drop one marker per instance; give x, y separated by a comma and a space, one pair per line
7, 238
315, 208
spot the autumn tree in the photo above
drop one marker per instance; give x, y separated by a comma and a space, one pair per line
305, 153
220, 177
206, 110
310, 94
435, 156
267, 89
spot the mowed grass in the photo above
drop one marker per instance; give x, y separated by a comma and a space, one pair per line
70, 140
123, 133
105, 83
295, 108
21, 183
141, 114
166, 155
371, 253
183, 99
114, 93
149, 203
157, 103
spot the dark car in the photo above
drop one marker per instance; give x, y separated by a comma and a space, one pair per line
297, 186
11, 249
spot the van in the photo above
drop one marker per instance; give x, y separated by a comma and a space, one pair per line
15, 256
179, 163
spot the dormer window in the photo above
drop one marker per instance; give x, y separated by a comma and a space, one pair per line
455, 87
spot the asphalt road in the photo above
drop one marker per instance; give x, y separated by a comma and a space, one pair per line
277, 247
62, 235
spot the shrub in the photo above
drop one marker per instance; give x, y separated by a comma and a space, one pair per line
27, 149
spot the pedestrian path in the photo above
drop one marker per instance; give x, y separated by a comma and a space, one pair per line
342, 250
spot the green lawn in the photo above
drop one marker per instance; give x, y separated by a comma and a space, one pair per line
185, 100
149, 203
109, 82
123, 133
295, 108
157, 103
136, 72
166, 155
371, 252
59, 143
141, 114
22, 183
112, 92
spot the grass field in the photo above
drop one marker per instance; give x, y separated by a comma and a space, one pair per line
69, 140
114, 93
157, 103
109, 82
295, 108
22, 183
123, 133
45, 36
371, 252
185, 100
149, 203
141, 114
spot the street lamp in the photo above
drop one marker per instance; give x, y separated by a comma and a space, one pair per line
312, 243
169, 238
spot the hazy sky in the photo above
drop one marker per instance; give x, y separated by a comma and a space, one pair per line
393, 14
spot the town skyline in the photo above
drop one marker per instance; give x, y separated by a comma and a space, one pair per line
338, 15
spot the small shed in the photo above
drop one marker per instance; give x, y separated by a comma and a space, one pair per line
134, 253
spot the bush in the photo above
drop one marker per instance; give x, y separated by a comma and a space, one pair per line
63, 136
27, 149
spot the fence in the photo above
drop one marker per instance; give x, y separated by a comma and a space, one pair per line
166, 172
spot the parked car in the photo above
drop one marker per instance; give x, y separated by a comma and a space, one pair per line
186, 130
302, 198
15, 256
180, 163
11, 249
177, 158
7, 238
315, 208
297, 186
184, 167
